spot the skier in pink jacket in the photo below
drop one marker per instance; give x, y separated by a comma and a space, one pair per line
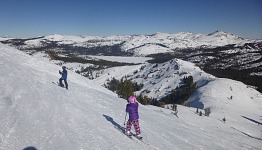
132, 110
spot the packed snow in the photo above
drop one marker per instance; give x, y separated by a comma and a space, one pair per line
36, 112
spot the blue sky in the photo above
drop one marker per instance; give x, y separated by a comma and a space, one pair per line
29, 18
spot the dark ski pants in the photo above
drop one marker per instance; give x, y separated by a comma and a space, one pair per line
60, 82
136, 125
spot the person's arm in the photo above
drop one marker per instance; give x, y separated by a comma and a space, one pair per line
127, 108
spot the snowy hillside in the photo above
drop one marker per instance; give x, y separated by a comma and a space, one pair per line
158, 79
35, 112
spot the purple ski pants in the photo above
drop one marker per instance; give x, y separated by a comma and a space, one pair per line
136, 125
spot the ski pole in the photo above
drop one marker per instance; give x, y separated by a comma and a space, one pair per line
125, 119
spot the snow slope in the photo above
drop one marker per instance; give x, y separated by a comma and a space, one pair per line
158, 79
35, 112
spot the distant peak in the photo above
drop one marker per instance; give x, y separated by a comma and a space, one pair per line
217, 32
225, 34
54, 36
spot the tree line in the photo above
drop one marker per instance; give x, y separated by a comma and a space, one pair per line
125, 87
181, 93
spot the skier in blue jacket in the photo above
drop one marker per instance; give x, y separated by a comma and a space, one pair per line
64, 77
132, 110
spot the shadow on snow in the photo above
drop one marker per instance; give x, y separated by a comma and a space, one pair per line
116, 125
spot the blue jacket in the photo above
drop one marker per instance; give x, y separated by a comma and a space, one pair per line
132, 110
64, 74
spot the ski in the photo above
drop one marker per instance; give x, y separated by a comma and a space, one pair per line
134, 135
139, 138
129, 136
56, 83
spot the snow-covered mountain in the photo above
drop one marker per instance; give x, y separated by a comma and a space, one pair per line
139, 44
219, 53
35, 112
217, 50
158, 79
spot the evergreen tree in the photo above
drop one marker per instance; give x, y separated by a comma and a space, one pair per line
125, 89
112, 85
181, 93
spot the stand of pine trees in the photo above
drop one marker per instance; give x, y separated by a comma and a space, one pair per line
181, 93
124, 88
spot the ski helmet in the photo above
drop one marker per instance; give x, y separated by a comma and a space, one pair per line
132, 99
